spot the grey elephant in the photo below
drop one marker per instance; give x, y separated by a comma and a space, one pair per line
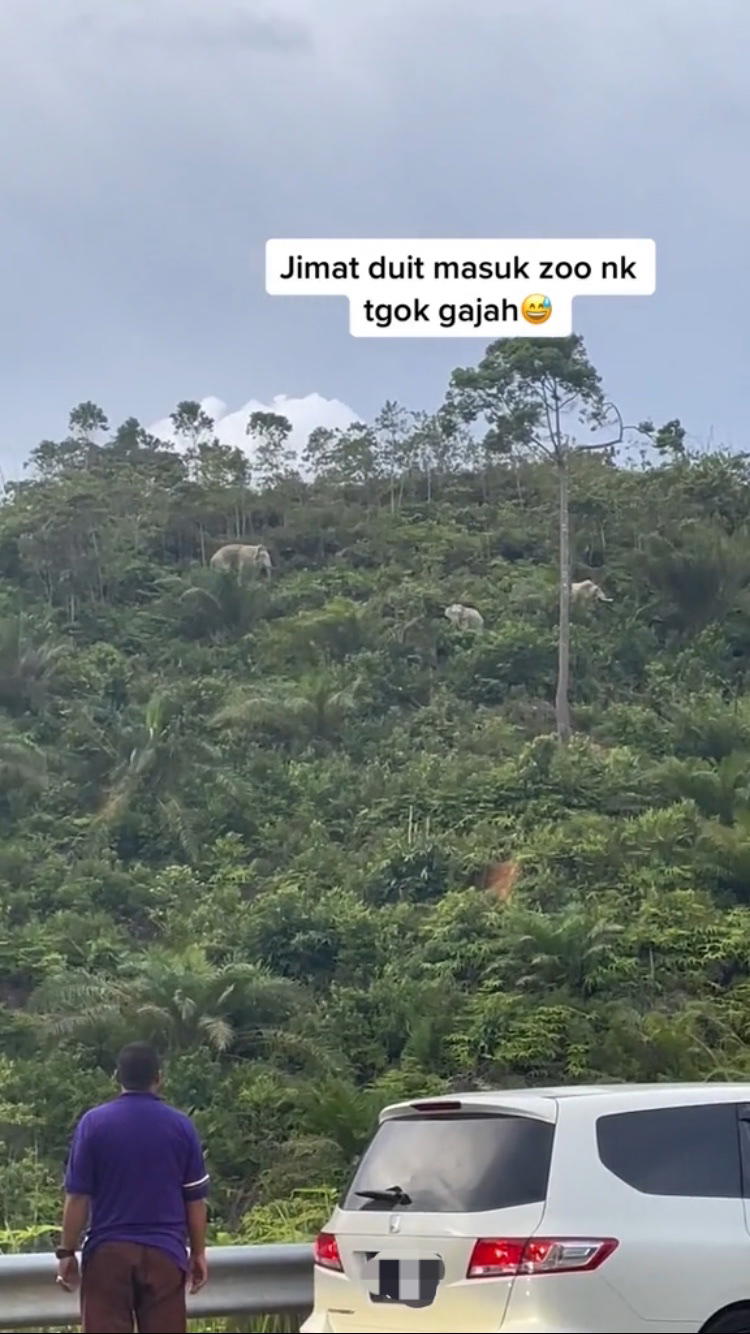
242, 558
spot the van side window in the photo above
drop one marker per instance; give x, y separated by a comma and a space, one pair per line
691, 1151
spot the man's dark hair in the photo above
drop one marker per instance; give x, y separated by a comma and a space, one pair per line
138, 1067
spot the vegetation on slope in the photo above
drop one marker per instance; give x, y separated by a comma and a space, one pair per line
322, 846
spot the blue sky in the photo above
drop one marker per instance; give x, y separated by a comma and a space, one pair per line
150, 147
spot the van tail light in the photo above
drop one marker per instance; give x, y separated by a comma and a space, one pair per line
510, 1257
326, 1252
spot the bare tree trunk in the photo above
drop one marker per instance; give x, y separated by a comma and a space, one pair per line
99, 575
562, 700
517, 478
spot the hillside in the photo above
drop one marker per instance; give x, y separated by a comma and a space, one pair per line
323, 846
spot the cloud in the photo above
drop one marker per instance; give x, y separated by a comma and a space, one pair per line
304, 414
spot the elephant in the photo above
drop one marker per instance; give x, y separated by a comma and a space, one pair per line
587, 591
464, 618
241, 557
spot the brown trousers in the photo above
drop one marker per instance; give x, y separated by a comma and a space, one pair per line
122, 1282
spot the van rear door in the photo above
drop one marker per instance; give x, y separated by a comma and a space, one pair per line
432, 1182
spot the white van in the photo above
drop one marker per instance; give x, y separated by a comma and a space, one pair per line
546, 1211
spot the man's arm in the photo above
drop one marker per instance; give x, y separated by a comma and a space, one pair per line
197, 1219
194, 1192
79, 1187
76, 1209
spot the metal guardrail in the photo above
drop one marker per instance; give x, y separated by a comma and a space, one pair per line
243, 1280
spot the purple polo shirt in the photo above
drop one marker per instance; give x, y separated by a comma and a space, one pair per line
139, 1160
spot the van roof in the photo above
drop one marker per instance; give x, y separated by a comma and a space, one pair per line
542, 1103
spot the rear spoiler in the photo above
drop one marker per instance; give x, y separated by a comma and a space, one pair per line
533, 1106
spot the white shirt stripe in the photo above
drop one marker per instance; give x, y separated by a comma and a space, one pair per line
190, 1184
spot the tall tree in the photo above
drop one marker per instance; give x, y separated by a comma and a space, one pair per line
398, 445
528, 391
86, 421
79, 449
438, 447
160, 759
191, 424
274, 458
342, 455
131, 441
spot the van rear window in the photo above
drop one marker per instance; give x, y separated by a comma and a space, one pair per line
455, 1163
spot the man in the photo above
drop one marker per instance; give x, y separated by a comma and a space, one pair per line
136, 1180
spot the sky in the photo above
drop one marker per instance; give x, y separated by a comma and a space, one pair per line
150, 147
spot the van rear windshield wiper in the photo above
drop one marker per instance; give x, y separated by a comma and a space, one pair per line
393, 1195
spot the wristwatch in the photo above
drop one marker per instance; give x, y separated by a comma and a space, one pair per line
62, 1254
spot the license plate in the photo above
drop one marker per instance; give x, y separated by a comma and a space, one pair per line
403, 1280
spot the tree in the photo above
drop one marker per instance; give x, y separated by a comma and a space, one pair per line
179, 1000
50, 457
86, 421
316, 712
393, 429
669, 439
191, 423
222, 475
220, 467
527, 390
131, 441
22, 764
319, 451
27, 666
438, 449
80, 449
273, 456
346, 455
163, 766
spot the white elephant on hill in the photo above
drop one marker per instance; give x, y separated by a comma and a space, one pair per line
587, 591
464, 618
242, 558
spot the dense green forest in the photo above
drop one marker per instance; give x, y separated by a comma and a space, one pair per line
322, 846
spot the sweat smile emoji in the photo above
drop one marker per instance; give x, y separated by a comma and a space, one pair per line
537, 308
